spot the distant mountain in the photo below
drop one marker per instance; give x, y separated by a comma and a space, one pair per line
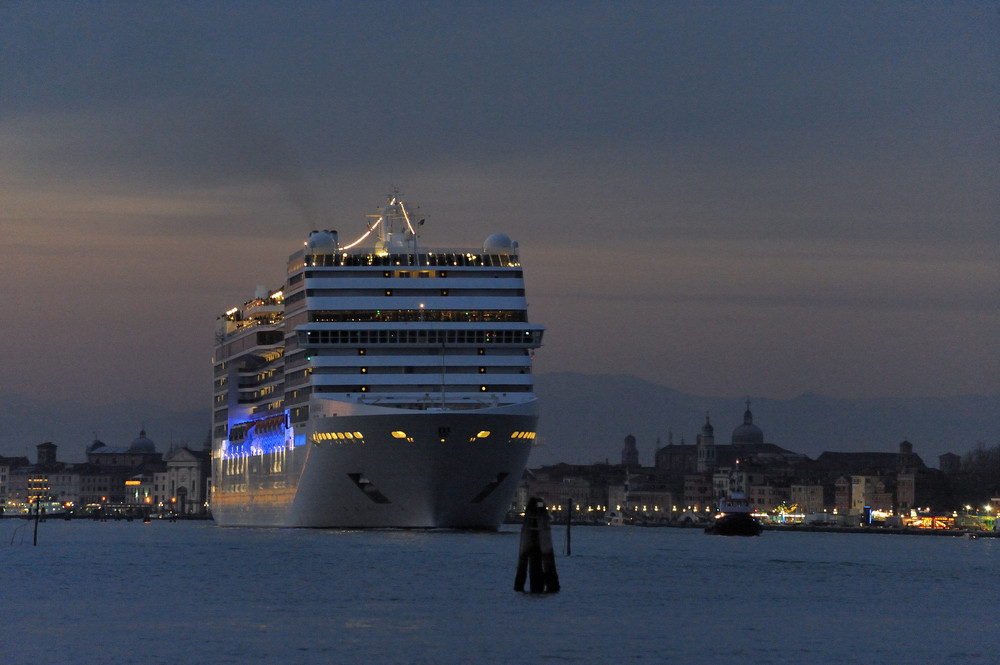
584, 419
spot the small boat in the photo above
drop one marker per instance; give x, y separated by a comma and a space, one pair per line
734, 520
614, 518
735, 517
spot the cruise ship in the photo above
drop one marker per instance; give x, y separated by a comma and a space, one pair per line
385, 384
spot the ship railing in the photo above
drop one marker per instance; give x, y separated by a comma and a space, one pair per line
437, 258
434, 402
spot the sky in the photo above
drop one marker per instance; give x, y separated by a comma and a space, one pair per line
724, 198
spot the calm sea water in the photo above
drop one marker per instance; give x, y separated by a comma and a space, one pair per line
191, 592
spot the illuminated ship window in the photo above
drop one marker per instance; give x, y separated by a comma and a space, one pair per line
364, 370
338, 436
361, 352
483, 434
399, 435
482, 388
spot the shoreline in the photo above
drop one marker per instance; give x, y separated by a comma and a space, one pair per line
884, 530
798, 528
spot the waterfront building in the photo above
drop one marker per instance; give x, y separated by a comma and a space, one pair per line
767, 497
774, 477
139, 491
8, 464
112, 471
135, 475
671, 460
141, 451
48, 480
182, 484
906, 492
842, 495
890, 482
645, 503
702, 474
863, 492
583, 485
697, 492
810, 499
99, 485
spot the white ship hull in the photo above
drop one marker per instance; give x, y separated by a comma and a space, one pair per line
383, 481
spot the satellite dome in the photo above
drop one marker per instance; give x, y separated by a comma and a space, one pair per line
322, 241
498, 243
142, 444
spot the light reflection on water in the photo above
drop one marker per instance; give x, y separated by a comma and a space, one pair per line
127, 592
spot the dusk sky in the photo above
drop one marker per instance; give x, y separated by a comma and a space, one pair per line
724, 198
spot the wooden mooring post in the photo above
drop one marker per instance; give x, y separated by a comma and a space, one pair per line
569, 523
38, 514
535, 556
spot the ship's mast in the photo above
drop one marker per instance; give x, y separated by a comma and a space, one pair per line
396, 231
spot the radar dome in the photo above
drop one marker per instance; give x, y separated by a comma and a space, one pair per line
320, 241
499, 243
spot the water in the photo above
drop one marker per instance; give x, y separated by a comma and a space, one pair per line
191, 592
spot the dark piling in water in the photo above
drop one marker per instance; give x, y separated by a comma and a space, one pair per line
38, 511
535, 557
569, 522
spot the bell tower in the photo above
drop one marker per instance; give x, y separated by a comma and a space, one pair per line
706, 447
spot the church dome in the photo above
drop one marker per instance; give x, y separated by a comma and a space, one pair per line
142, 444
748, 433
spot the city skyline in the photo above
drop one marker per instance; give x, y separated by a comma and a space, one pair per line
770, 200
